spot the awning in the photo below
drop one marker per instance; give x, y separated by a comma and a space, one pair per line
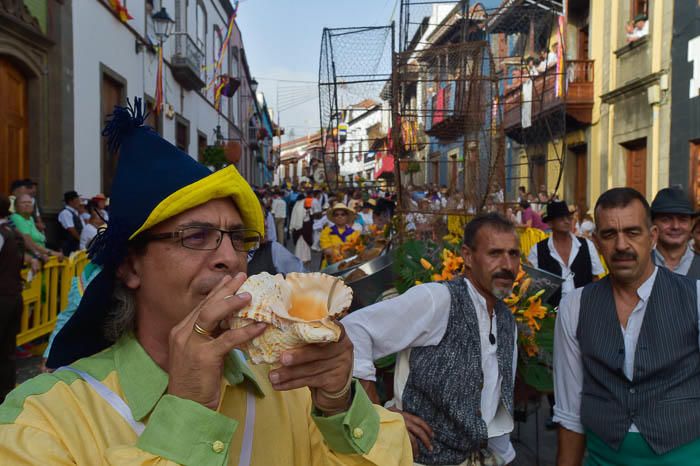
384, 166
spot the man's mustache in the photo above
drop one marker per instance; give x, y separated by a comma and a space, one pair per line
624, 256
505, 274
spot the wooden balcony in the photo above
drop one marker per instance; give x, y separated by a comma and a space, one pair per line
455, 109
576, 98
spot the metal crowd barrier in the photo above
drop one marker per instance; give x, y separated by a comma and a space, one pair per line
46, 294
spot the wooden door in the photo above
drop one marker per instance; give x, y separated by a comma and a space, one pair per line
581, 179
112, 94
583, 43
14, 159
637, 168
538, 173
694, 182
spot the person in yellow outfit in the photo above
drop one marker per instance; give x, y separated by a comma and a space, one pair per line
146, 370
337, 234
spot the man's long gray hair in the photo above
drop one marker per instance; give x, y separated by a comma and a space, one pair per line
122, 315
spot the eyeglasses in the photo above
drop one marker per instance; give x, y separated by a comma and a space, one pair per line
209, 238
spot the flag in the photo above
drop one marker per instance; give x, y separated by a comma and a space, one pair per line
559, 85
120, 10
158, 107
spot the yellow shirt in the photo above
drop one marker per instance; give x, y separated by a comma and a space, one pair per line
59, 419
329, 240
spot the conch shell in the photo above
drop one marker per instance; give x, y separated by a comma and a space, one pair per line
295, 309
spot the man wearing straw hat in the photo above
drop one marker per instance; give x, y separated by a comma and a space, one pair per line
337, 234
146, 372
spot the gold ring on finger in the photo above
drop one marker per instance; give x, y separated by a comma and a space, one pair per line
202, 331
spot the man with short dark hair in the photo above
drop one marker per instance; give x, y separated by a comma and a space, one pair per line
672, 214
626, 359
72, 224
456, 341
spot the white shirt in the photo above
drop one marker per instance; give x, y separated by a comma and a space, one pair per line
279, 208
316, 206
566, 273
683, 265
419, 317
568, 367
65, 218
88, 233
270, 230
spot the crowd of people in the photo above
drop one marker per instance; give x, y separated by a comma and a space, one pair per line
144, 366
313, 218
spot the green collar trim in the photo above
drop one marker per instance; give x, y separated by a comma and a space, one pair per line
144, 383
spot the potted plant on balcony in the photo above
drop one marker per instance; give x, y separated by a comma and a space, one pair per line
232, 151
214, 157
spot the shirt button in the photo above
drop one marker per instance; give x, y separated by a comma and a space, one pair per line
218, 446
357, 433
633, 391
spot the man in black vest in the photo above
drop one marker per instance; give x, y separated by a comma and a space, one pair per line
563, 254
672, 214
455, 369
626, 358
72, 224
568, 256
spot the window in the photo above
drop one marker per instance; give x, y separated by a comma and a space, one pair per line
112, 91
639, 7
202, 28
150, 29
182, 133
201, 146
218, 40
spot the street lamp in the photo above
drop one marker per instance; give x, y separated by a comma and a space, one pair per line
253, 85
162, 25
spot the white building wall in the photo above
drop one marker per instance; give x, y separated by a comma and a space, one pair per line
358, 144
101, 41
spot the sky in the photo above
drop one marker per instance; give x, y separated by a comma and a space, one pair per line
282, 40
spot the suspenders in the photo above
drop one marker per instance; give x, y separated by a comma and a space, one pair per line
110, 397
125, 412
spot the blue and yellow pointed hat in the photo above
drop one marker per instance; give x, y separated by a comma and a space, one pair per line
154, 181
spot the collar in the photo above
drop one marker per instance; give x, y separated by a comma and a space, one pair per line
644, 290
144, 382
575, 246
70, 209
687, 256
478, 300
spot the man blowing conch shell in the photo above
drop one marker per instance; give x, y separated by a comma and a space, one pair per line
146, 370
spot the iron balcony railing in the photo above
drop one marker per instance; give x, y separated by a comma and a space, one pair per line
188, 54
